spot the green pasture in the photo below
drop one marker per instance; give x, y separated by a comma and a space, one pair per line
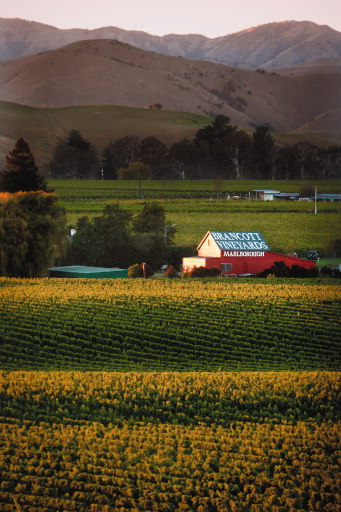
198, 206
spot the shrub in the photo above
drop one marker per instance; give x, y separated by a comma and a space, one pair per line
280, 269
204, 272
135, 271
331, 272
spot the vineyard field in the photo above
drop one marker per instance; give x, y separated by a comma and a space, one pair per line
133, 395
163, 325
205, 442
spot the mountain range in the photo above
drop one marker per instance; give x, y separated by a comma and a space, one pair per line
266, 46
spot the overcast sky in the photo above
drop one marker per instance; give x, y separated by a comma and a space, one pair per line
208, 17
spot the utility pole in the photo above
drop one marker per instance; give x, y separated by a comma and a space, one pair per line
139, 185
315, 210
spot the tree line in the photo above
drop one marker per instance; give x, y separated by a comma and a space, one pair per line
218, 150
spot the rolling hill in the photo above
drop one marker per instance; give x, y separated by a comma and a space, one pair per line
104, 72
267, 46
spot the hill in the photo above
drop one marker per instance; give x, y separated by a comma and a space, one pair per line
267, 46
42, 127
105, 72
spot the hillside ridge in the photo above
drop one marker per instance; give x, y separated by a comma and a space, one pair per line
107, 72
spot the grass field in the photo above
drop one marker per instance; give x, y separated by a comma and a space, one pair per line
194, 207
198, 429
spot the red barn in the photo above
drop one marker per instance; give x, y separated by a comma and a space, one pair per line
238, 253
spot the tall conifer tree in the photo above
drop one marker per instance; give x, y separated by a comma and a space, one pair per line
21, 173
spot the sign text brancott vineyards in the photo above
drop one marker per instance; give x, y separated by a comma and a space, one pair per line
240, 242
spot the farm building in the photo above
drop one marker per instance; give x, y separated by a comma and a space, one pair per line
238, 253
264, 195
93, 272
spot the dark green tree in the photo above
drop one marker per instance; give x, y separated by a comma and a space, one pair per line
21, 173
153, 236
264, 147
210, 142
151, 219
153, 153
75, 157
103, 241
32, 233
239, 155
120, 154
183, 159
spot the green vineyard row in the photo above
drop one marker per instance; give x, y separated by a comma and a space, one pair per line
154, 334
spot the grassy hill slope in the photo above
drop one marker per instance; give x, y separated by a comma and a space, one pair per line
42, 127
106, 72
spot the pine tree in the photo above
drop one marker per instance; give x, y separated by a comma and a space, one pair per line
21, 173
74, 157
264, 147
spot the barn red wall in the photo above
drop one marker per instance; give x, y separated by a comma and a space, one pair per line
256, 264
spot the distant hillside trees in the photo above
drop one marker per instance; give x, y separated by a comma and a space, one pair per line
304, 161
121, 153
211, 143
21, 172
219, 150
154, 154
74, 157
225, 151
330, 160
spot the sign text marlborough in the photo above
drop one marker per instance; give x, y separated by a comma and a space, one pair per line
240, 242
